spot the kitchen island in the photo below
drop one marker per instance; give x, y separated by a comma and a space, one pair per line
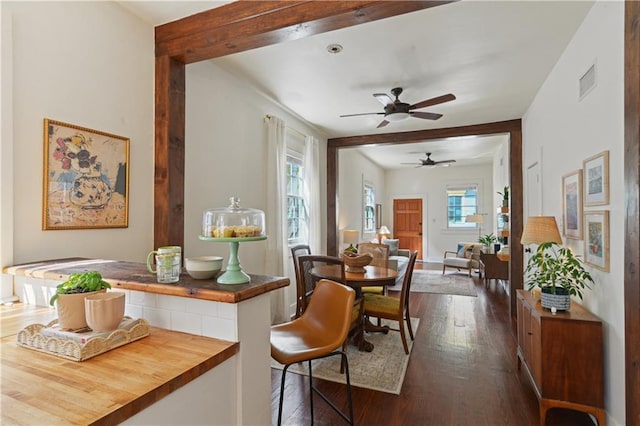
235, 313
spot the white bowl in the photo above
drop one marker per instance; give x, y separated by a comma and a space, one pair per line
203, 267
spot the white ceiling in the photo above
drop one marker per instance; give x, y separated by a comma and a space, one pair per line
492, 55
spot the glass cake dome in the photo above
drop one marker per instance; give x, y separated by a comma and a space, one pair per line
233, 222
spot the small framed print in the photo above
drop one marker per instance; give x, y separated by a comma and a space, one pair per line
596, 176
572, 205
596, 247
86, 178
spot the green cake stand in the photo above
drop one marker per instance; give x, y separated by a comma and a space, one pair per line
234, 273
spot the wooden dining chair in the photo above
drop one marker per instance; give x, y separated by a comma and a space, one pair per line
297, 251
305, 289
380, 254
317, 333
393, 308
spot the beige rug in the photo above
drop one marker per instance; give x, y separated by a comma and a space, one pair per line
433, 281
382, 369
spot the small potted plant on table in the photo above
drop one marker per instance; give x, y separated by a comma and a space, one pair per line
558, 273
487, 241
69, 298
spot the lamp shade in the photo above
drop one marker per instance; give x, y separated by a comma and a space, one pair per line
541, 229
350, 236
474, 218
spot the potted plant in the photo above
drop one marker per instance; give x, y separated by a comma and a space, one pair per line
505, 196
558, 273
487, 240
69, 298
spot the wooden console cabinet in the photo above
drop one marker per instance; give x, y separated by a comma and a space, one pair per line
563, 355
494, 268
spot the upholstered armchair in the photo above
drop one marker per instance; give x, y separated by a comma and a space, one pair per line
466, 257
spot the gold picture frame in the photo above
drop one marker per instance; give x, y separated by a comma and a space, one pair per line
596, 179
572, 205
86, 178
596, 245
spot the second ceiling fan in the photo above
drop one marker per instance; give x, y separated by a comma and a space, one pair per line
395, 110
429, 162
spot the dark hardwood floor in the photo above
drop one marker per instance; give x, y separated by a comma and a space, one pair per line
462, 371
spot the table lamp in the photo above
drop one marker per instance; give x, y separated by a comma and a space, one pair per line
541, 229
383, 232
351, 237
476, 218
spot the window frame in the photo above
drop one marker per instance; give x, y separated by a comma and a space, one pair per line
465, 209
293, 156
368, 208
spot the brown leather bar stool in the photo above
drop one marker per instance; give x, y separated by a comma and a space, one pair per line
318, 333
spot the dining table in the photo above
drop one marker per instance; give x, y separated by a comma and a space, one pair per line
372, 276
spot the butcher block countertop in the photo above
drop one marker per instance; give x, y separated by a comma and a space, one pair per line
43, 389
135, 276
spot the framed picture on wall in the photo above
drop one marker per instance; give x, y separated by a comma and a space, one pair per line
596, 246
572, 205
596, 176
86, 178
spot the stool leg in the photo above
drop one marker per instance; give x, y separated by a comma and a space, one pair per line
311, 391
284, 373
345, 361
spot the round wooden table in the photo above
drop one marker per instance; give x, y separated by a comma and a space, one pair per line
373, 276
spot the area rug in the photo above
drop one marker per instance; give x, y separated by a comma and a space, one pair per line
433, 281
382, 369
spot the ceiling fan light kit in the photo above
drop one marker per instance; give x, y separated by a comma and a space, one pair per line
395, 110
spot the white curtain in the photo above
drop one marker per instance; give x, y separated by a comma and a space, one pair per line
311, 169
276, 214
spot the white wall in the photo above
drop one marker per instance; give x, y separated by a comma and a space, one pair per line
430, 184
354, 169
90, 64
567, 130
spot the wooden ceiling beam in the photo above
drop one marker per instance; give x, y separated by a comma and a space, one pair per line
245, 25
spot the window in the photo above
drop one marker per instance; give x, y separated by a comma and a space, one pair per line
461, 202
369, 220
297, 215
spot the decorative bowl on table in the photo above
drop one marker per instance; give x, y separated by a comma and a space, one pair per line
203, 267
355, 262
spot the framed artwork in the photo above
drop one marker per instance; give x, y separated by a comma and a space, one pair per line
596, 247
596, 175
572, 205
86, 178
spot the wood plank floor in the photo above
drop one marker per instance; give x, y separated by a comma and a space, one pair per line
462, 371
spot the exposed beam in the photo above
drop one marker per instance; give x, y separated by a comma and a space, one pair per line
511, 127
246, 25
632, 210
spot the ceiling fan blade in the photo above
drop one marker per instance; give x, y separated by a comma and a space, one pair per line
382, 124
383, 98
425, 115
445, 161
363, 113
412, 164
433, 101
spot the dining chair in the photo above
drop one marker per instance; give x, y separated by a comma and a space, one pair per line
297, 251
393, 308
305, 289
317, 333
380, 253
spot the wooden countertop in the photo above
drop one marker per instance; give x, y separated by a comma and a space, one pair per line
134, 276
39, 388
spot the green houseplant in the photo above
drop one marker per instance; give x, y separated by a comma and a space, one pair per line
488, 239
69, 298
558, 273
505, 196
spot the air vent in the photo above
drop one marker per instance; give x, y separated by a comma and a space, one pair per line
587, 81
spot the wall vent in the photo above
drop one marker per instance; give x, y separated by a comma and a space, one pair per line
587, 81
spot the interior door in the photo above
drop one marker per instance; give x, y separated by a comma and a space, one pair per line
407, 223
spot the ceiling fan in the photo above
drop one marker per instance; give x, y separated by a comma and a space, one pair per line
398, 111
429, 162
